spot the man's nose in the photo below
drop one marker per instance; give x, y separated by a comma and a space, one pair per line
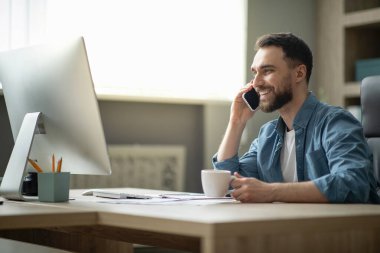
257, 81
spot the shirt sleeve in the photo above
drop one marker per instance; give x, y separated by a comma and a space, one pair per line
349, 161
245, 165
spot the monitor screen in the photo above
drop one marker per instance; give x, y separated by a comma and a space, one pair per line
55, 79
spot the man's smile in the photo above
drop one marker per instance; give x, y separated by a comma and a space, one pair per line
263, 93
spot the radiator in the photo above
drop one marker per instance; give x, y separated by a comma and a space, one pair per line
159, 167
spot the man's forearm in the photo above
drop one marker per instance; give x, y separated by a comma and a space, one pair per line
297, 192
231, 141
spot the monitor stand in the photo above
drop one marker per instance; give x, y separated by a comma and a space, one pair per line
11, 186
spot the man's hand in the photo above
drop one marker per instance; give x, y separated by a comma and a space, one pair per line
252, 190
249, 190
240, 113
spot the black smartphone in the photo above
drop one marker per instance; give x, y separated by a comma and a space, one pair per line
252, 99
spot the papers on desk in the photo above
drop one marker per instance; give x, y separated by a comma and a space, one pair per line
109, 196
189, 196
171, 199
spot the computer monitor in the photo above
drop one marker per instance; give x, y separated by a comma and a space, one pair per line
48, 89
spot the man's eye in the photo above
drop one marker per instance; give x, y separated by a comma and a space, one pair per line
267, 71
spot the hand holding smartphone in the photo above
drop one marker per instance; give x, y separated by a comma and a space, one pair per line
252, 99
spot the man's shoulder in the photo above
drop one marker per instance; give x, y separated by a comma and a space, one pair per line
314, 109
327, 111
333, 118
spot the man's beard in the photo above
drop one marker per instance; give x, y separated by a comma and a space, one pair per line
284, 96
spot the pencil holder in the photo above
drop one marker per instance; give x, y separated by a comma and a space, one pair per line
53, 187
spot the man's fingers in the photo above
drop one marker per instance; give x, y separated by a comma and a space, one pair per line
237, 182
237, 175
237, 194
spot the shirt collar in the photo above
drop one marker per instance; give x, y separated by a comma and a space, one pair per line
306, 111
302, 117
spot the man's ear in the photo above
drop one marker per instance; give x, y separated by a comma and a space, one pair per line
300, 73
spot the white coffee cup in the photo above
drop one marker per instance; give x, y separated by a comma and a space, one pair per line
215, 183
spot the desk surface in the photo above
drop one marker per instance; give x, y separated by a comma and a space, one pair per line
15, 214
209, 223
223, 215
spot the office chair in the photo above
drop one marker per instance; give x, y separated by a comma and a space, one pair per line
370, 103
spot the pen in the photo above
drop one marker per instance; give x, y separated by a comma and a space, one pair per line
35, 165
53, 163
59, 165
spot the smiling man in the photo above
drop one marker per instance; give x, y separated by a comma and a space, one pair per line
312, 153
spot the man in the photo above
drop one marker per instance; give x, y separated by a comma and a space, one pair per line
312, 153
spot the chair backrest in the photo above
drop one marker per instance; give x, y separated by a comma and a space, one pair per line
370, 103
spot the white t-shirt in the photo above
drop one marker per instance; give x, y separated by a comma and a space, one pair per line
288, 158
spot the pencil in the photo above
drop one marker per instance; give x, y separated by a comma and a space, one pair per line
35, 165
53, 163
59, 165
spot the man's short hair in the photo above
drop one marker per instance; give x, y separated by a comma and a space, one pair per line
295, 49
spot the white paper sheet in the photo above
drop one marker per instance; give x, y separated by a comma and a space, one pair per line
171, 199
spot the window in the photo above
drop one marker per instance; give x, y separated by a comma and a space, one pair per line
181, 49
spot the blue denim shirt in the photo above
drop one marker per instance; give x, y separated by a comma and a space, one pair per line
331, 151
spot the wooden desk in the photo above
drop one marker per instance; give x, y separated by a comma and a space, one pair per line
231, 227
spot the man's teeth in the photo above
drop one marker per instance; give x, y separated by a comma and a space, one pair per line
264, 92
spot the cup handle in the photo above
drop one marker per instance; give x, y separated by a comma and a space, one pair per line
231, 190
229, 193
232, 179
